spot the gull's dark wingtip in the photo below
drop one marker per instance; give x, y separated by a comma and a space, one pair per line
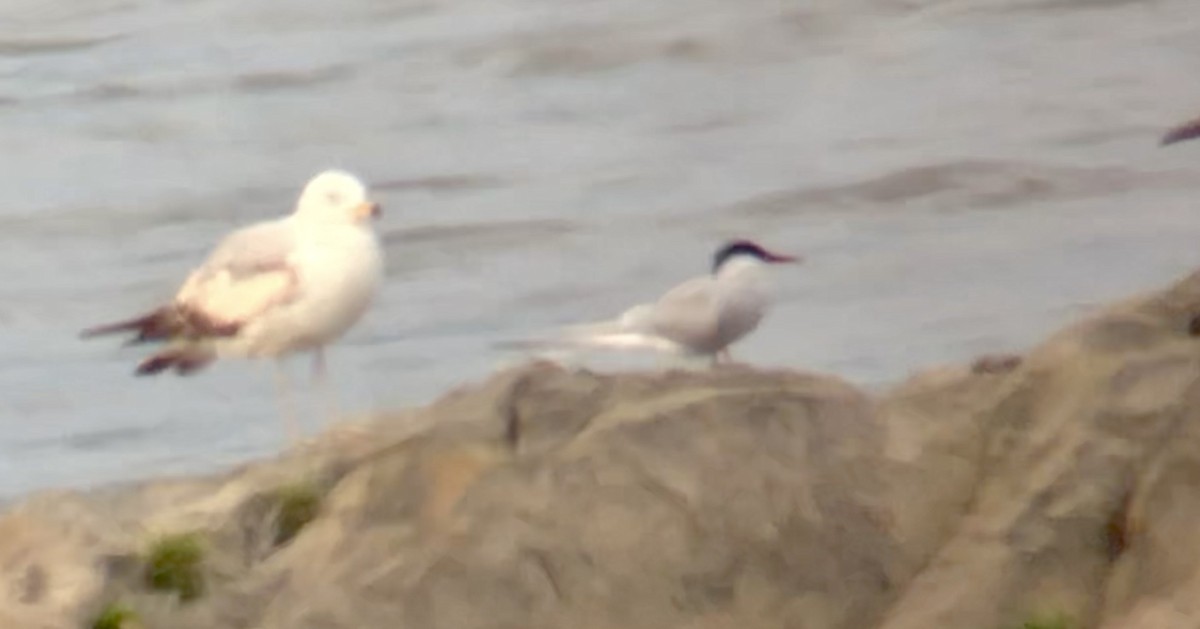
184, 361
112, 328
1186, 131
165, 323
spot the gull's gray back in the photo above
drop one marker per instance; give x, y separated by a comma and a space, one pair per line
252, 249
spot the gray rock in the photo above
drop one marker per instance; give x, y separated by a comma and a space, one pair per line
1059, 482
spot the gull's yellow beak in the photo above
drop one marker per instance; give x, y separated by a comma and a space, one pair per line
366, 211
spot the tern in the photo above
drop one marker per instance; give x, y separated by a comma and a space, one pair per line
702, 317
272, 289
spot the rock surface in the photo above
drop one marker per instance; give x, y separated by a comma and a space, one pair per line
1060, 482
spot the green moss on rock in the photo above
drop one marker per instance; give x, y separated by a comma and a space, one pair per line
298, 504
174, 562
114, 616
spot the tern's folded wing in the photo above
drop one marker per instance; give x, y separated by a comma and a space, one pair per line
687, 314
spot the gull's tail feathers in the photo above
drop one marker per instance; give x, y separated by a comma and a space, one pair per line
184, 361
151, 326
165, 323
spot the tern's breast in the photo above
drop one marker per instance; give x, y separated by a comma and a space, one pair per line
743, 299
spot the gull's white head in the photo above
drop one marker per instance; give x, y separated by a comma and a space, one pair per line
336, 195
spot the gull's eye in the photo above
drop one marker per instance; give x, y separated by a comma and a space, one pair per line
334, 199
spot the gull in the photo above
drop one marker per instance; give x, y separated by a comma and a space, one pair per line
271, 289
701, 317
1185, 131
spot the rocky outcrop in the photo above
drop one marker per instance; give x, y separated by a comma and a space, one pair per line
1065, 481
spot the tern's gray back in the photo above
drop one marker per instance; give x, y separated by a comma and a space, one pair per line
687, 315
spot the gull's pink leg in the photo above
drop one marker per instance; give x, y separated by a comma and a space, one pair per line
321, 381
287, 405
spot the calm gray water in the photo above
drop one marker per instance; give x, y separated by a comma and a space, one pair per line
963, 177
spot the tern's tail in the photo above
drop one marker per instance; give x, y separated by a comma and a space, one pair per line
635, 321
629, 331
576, 336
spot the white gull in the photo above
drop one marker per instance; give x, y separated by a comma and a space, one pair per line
272, 288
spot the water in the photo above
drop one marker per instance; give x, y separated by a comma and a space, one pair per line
963, 177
